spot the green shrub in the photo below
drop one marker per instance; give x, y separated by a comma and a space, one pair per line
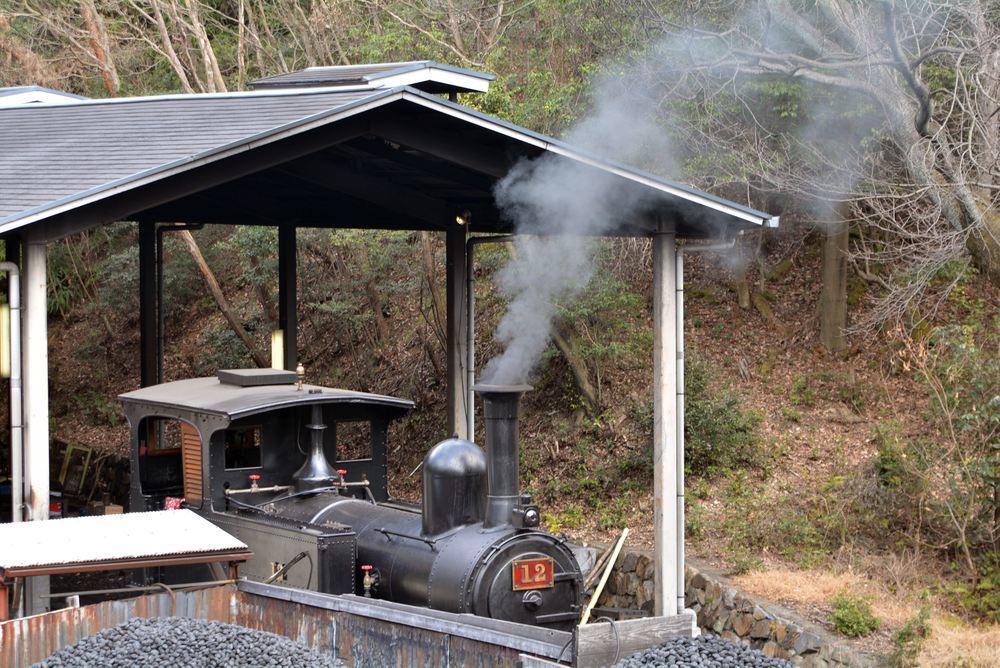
983, 597
721, 435
910, 639
801, 393
791, 414
853, 616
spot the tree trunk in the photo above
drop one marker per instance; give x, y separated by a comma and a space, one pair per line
833, 296
563, 337
430, 277
372, 293
220, 299
216, 84
984, 246
267, 305
100, 45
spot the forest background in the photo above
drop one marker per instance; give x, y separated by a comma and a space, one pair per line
844, 383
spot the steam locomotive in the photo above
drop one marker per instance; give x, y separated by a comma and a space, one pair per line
251, 451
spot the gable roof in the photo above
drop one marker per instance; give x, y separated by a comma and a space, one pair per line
57, 159
34, 94
425, 75
56, 154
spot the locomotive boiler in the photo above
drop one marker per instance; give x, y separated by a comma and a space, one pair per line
251, 451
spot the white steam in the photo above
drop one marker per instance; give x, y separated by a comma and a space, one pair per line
558, 205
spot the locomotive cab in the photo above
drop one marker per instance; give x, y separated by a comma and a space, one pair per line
299, 473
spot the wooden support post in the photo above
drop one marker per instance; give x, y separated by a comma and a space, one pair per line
665, 421
458, 406
288, 293
149, 290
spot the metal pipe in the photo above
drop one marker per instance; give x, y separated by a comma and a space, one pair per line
126, 590
249, 490
470, 332
16, 391
679, 327
679, 412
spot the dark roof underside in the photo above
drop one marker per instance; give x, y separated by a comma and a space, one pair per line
391, 159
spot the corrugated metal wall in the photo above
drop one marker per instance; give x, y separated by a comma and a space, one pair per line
358, 640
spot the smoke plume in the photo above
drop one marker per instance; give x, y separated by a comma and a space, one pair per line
558, 206
727, 128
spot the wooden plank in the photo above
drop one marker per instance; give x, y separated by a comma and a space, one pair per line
602, 644
528, 661
191, 458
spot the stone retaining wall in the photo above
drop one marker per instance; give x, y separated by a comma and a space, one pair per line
724, 611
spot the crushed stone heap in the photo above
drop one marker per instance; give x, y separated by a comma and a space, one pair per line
169, 642
705, 651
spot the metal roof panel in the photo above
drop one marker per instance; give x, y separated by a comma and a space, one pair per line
210, 396
339, 75
79, 540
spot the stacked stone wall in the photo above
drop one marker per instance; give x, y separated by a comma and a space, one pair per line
724, 611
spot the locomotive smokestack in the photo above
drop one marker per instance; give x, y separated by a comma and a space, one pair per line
316, 471
501, 407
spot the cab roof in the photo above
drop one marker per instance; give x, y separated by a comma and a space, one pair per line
210, 396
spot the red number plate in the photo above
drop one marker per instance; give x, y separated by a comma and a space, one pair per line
536, 573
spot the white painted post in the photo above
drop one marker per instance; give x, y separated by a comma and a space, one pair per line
679, 434
665, 421
36, 403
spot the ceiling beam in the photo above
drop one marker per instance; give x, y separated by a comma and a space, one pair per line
379, 148
446, 145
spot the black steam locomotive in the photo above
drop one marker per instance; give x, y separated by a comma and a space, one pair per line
250, 450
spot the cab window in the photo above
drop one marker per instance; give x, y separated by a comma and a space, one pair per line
243, 447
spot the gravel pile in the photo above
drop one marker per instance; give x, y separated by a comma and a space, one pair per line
185, 643
703, 652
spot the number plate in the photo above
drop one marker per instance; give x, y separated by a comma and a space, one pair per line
536, 573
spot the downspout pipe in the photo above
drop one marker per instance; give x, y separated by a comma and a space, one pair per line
679, 297
16, 398
470, 347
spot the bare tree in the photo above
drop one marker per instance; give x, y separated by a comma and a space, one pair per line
923, 182
467, 29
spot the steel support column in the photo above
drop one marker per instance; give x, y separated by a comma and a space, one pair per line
458, 406
149, 291
36, 402
665, 421
288, 294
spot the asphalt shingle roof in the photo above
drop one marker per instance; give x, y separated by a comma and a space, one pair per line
50, 152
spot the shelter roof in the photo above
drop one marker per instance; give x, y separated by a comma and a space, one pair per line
34, 94
395, 158
425, 75
209, 396
55, 151
78, 541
